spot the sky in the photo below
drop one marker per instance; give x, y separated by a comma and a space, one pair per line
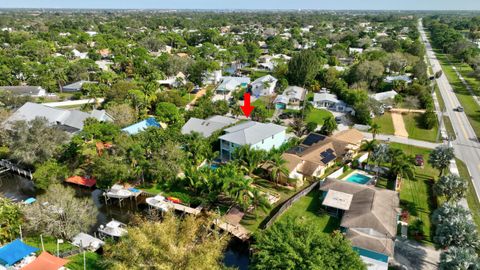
249, 4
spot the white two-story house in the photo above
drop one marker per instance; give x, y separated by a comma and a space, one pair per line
259, 136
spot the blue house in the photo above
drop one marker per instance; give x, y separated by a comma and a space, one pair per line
141, 126
259, 136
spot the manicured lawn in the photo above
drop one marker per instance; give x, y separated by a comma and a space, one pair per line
385, 122
308, 209
262, 102
472, 198
318, 116
441, 102
413, 124
416, 194
92, 261
449, 127
50, 244
472, 110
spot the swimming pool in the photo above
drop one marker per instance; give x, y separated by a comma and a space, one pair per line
359, 178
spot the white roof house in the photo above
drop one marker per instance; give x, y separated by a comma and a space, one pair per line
325, 97
70, 120
260, 136
384, 95
391, 79
264, 86
208, 126
355, 50
291, 94
174, 81
229, 84
79, 54
251, 132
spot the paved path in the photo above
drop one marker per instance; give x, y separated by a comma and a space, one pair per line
469, 88
399, 125
197, 96
402, 110
403, 140
466, 145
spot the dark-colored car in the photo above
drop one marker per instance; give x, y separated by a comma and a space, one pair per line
459, 109
284, 116
419, 160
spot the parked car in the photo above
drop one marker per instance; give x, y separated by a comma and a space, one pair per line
459, 109
338, 119
419, 160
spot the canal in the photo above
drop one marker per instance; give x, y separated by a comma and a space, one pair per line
18, 189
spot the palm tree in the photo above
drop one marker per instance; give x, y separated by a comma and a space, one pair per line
440, 158
374, 129
242, 192
277, 167
236, 111
298, 126
403, 167
259, 201
369, 146
248, 158
380, 154
394, 153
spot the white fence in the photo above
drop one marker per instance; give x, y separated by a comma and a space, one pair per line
336, 174
363, 157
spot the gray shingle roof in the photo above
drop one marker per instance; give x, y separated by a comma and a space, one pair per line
208, 126
325, 97
24, 90
55, 116
76, 86
251, 132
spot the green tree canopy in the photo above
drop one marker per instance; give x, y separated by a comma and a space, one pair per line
296, 245
10, 220
174, 243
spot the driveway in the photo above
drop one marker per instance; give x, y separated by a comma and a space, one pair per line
413, 256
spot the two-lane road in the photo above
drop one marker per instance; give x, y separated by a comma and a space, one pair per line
466, 145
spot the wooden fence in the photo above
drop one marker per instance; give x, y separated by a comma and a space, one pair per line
286, 205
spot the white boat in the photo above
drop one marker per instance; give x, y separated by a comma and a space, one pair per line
159, 202
113, 228
119, 192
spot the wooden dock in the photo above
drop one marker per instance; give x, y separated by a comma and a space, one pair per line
9, 166
236, 230
186, 209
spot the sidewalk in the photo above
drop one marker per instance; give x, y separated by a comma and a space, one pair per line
403, 140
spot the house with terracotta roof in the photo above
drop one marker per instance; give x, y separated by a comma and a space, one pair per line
317, 152
368, 215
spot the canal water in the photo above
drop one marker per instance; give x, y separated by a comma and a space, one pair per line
18, 189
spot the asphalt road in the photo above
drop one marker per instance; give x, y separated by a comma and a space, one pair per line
466, 145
